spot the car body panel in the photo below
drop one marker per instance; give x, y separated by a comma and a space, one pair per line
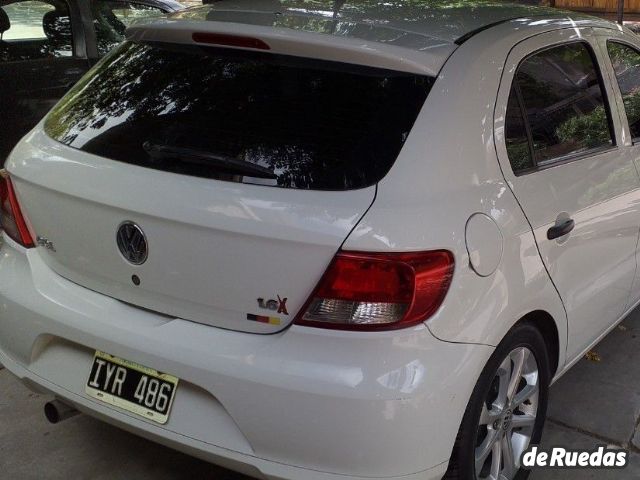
180, 29
249, 241
446, 22
303, 399
627, 146
600, 192
309, 403
470, 178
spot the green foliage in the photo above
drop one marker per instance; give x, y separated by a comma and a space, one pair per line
632, 107
519, 155
590, 130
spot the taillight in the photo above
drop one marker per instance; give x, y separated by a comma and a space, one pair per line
379, 291
11, 218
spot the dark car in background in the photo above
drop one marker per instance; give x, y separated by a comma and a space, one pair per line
47, 45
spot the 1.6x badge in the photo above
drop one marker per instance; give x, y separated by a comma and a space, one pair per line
279, 305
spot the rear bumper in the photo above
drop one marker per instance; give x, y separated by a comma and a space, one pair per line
301, 404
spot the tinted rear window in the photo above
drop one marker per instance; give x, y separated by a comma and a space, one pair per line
194, 110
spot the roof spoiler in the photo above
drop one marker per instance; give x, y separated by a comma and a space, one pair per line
296, 43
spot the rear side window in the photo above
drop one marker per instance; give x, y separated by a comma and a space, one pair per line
626, 64
563, 113
518, 146
242, 116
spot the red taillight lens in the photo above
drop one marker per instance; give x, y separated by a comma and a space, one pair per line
11, 218
379, 291
230, 40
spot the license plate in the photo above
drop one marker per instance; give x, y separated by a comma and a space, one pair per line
132, 387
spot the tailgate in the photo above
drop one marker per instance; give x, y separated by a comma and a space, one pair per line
214, 248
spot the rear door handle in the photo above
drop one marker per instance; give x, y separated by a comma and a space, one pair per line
560, 230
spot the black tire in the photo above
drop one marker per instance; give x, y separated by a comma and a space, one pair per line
462, 462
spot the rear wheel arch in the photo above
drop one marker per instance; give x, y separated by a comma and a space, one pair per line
547, 326
534, 331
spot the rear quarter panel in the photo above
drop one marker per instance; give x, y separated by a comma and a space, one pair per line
447, 171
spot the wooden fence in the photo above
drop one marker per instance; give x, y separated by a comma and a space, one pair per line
599, 6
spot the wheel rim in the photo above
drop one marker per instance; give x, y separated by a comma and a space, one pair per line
508, 417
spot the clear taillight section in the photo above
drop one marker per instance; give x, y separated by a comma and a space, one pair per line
11, 219
379, 291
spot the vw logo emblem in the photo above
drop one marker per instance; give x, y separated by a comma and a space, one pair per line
132, 243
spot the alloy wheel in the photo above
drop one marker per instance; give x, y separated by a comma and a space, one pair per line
508, 417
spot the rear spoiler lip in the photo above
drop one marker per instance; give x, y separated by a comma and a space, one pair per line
304, 44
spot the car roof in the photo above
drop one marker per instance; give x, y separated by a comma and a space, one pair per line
393, 21
418, 32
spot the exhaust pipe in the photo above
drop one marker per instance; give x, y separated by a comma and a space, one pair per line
57, 411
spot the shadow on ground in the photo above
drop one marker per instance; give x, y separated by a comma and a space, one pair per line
598, 403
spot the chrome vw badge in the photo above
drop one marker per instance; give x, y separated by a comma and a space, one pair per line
132, 243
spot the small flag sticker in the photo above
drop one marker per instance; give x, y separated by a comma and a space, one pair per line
263, 319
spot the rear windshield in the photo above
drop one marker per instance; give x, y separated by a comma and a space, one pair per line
241, 116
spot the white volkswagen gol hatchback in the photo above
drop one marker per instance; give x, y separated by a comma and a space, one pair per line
316, 241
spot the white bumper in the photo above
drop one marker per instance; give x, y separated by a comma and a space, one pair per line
302, 404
